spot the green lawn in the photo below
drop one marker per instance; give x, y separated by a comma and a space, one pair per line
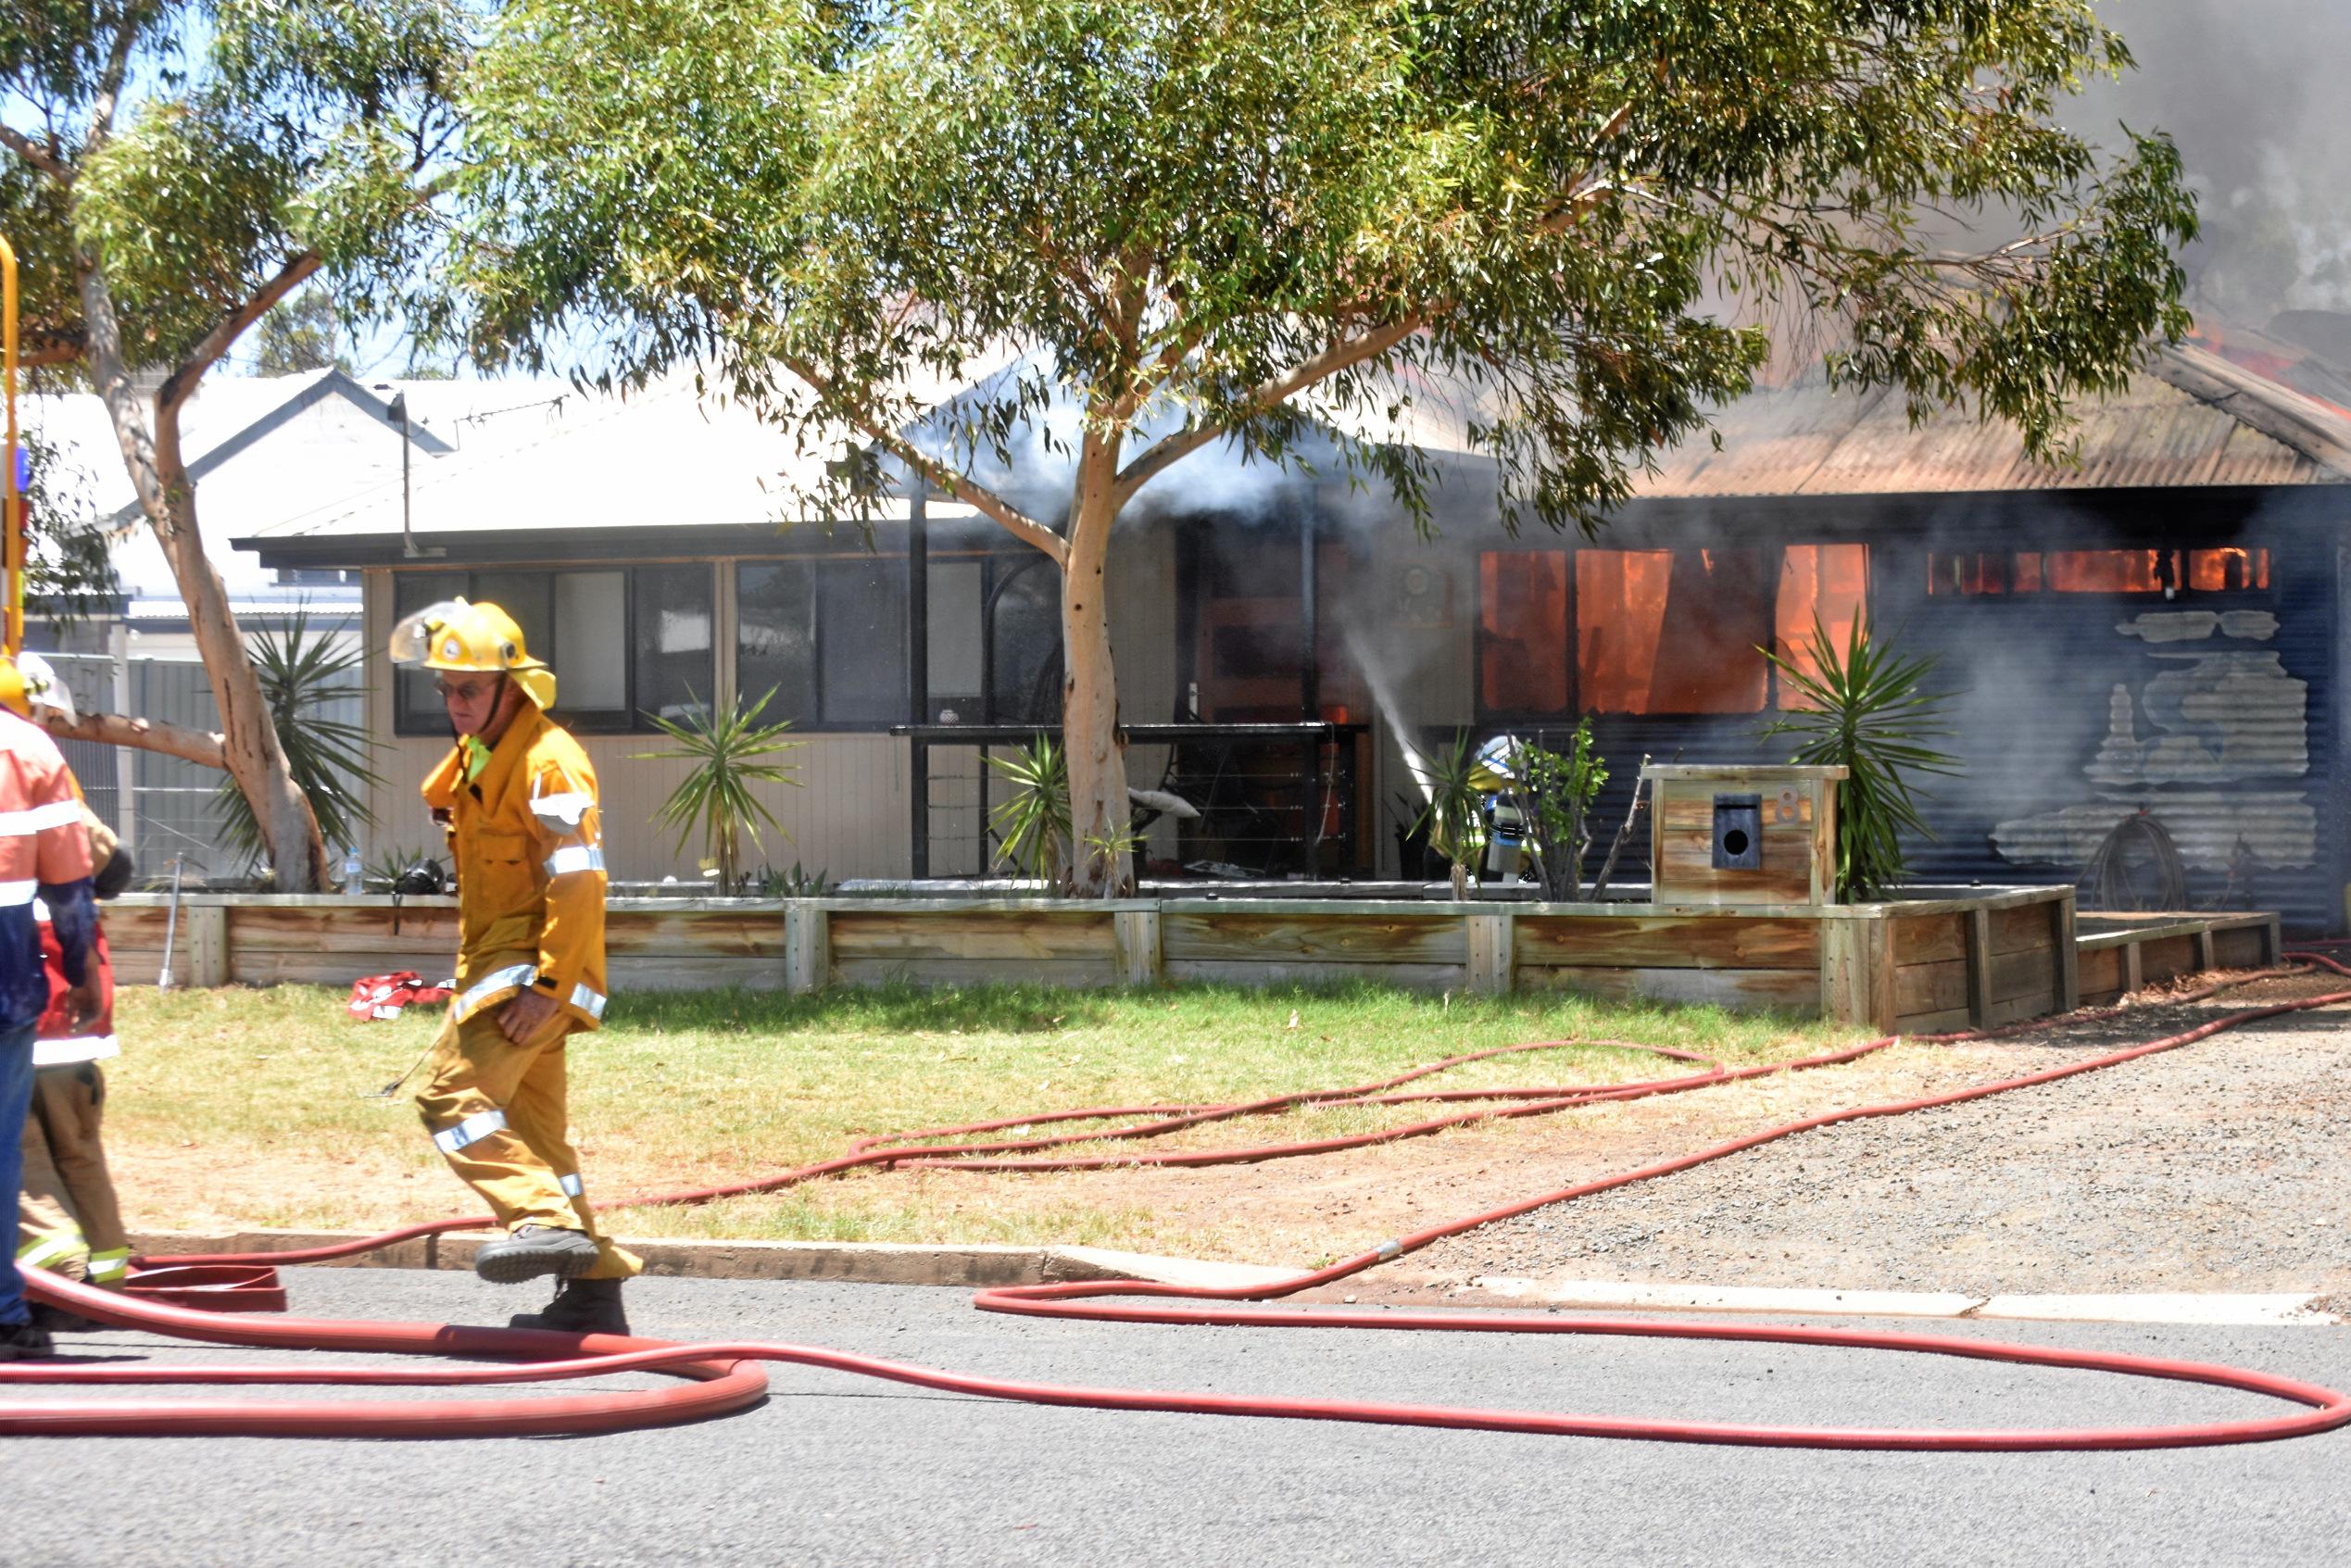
243, 1106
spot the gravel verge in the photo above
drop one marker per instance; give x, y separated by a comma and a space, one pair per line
2221, 1166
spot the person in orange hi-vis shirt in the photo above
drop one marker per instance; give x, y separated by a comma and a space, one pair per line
45, 853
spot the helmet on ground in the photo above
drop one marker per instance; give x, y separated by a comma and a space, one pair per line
454, 634
27, 682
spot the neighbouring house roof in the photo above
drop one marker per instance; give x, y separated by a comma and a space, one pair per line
260, 447
665, 457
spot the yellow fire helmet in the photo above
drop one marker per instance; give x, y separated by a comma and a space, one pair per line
27, 682
454, 634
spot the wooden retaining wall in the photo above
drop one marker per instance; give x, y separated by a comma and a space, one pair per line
1920, 965
2141, 949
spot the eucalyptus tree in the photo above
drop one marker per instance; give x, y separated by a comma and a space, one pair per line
1204, 221
172, 170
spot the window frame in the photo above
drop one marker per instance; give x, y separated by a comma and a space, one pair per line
624, 721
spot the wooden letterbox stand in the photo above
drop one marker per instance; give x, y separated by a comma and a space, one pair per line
1743, 834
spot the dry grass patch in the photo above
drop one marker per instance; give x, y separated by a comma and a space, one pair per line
238, 1108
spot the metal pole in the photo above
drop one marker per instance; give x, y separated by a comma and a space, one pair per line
10, 500
918, 667
171, 925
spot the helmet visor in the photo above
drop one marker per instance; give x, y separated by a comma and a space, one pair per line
413, 639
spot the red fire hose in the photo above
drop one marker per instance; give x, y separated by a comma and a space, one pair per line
727, 1376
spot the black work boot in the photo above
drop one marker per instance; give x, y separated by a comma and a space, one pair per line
62, 1320
533, 1250
581, 1306
25, 1342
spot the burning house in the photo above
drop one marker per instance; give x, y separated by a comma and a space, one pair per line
2148, 638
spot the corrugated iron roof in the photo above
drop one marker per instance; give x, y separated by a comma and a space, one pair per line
2190, 419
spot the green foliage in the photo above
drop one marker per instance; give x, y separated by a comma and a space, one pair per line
1032, 823
794, 883
1554, 792
251, 133
1564, 216
715, 796
1454, 814
300, 671
1866, 711
297, 335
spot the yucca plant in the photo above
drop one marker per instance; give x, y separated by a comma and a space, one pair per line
728, 751
1454, 815
1869, 712
300, 671
1032, 823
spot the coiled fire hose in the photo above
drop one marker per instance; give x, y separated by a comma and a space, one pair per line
722, 1377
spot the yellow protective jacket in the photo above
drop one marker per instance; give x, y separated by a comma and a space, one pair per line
530, 863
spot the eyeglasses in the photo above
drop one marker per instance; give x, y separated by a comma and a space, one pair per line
464, 691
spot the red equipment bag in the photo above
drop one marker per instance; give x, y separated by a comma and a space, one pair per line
382, 995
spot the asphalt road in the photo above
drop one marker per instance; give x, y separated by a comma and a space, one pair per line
834, 1471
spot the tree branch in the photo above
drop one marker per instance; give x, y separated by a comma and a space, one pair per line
1160, 455
117, 66
203, 746
36, 154
1154, 459
181, 382
940, 475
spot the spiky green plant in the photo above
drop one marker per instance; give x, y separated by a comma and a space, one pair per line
727, 750
1032, 823
1454, 812
1869, 712
300, 671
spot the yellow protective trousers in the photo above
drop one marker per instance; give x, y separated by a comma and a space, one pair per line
69, 1220
495, 1111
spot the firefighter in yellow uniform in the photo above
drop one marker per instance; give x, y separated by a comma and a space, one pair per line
517, 798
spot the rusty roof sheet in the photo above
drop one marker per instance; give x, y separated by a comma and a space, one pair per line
2190, 419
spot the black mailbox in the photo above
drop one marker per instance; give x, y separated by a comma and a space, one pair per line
1738, 833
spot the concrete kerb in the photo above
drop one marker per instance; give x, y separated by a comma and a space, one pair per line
975, 1267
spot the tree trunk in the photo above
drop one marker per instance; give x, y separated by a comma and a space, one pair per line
250, 738
1098, 810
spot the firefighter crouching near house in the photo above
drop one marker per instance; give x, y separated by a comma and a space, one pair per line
517, 798
43, 853
69, 1220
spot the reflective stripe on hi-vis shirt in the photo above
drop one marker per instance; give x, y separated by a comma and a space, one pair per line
33, 819
479, 994
588, 1001
574, 858
15, 892
562, 811
572, 1185
108, 1267
44, 1252
473, 1129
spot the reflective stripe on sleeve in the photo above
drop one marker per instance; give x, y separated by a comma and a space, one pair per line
479, 994
15, 892
471, 1130
588, 1001
562, 810
574, 858
105, 1268
33, 819
572, 1185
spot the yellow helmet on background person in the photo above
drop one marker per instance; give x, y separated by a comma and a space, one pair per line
453, 635
27, 682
